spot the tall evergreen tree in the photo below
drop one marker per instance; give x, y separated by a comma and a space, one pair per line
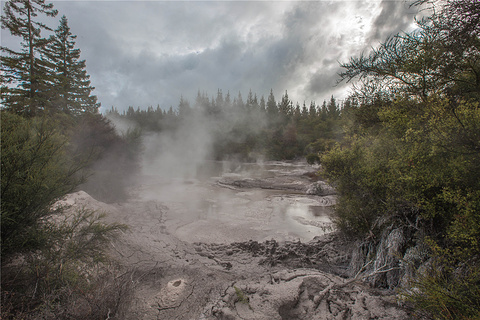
333, 111
239, 104
313, 109
324, 110
24, 73
228, 102
271, 104
250, 100
262, 104
304, 110
285, 106
183, 108
70, 90
219, 100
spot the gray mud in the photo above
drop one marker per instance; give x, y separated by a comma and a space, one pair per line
237, 250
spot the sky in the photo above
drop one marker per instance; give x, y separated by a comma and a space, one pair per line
149, 53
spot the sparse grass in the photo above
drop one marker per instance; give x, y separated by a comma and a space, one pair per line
71, 278
241, 296
447, 292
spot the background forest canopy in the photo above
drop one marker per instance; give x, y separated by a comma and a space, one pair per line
246, 130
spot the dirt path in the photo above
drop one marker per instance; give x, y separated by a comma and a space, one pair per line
242, 276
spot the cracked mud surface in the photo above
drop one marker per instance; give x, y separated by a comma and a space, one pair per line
226, 249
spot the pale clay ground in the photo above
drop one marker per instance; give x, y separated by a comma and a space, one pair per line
183, 265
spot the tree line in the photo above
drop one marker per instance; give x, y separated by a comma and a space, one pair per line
252, 127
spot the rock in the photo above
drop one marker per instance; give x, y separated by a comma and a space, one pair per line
320, 188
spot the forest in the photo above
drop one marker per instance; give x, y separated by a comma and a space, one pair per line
402, 152
252, 130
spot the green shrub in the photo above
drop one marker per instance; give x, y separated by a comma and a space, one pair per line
447, 290
313, 158
36, 172
54, 263
72, 269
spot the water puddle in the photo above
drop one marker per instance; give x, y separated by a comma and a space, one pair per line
200, 210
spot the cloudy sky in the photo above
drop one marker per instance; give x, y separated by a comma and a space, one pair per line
142, 53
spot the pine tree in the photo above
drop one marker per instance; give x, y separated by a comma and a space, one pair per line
70, 90
262, 104
227, 102
24, 74
271, 104
304, 110
255, 102
239, 104
219, 100
250, 101
285, 106
324, 110
297, 113
333, 111
313, 109
183, 108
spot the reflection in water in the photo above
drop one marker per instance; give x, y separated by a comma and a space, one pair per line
209, 210
320, 211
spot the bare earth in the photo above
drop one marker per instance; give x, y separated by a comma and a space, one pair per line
236, 248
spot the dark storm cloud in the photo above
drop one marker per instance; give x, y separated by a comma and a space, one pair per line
395, 17
142, 53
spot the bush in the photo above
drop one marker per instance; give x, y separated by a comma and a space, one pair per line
54, 264
70, 277
312, 158
446, 290
36, 172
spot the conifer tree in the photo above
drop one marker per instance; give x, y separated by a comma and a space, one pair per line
271, 104
262, 104
313, 109
255, 102
324, 110
285, 106
183, 108
250, 100
227, 102
70, 90
297, 112
304, 110
219, 100
239, 104
333, 111
24, 73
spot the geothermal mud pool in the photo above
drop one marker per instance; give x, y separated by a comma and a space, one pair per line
215, 209
233, 241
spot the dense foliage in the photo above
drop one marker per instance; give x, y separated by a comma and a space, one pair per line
35, 173
411, 158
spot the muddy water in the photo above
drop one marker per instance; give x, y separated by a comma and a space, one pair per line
201, 209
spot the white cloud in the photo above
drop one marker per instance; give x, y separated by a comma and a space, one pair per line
143, 53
